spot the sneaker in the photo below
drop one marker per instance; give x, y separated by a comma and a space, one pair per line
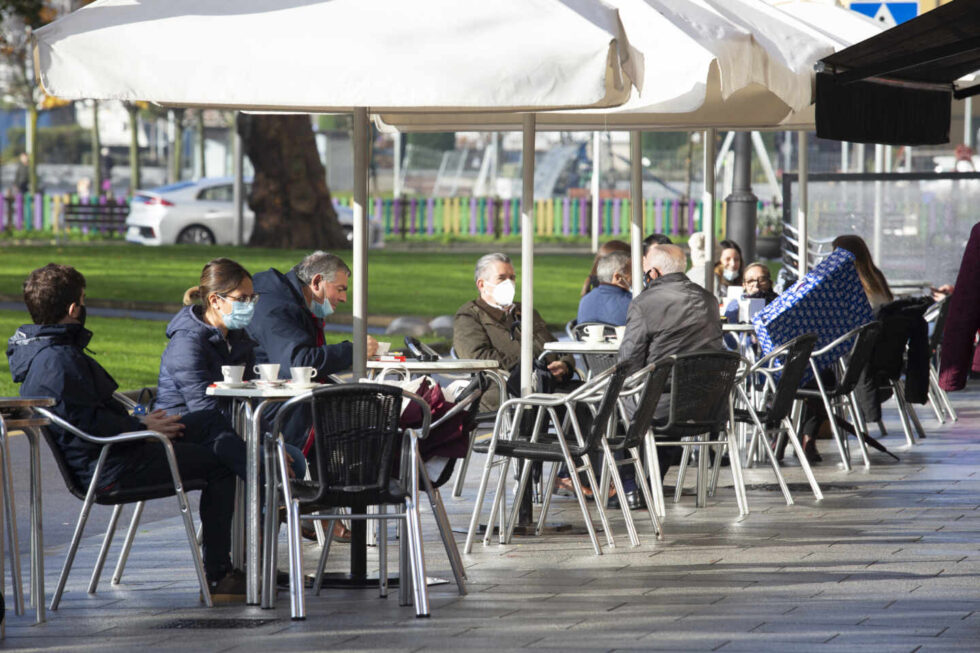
229, 589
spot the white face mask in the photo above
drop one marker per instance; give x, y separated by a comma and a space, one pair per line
503, 293
730, 275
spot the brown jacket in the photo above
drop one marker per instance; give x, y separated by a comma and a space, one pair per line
482, 331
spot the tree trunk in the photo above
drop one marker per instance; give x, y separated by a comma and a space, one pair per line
96, 151
134, 148
290, 198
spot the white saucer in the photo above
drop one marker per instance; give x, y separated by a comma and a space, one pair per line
231, 386
270, 384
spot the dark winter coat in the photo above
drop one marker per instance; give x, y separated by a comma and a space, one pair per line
673, 316
49, 361
286, 331
192, 361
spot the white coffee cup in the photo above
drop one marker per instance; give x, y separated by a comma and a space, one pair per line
267, 371
620, 332
232, 373
302, 375
594, 332
383, 348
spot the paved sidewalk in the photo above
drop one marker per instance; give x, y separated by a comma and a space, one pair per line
888, 561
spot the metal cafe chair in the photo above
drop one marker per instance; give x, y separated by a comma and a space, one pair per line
642, 391
356, 438
839, 397
118, 498
701, 387
941, 405
768, 412
522, 441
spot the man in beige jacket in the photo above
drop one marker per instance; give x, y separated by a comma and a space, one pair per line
484, 327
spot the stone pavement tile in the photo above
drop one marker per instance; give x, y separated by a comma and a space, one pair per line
764, 645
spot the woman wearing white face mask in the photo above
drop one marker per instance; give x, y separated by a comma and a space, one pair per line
728, 269
485, 327
206, 334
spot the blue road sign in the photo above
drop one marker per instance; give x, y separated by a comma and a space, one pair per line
887, 13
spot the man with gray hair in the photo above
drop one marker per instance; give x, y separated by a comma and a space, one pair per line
290, 316
673, 315
609, 301
484, 328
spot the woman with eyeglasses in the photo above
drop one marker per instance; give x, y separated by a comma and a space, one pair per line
204, 335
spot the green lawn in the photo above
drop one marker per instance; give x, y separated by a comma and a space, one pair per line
399, 283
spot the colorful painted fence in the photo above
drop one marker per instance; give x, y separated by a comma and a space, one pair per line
42, 212
472, 216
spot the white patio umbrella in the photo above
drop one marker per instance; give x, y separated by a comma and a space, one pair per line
730, 64
343, 55
320, 56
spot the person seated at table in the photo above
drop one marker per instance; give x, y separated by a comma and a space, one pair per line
728, 268
592, 281
756, 284
608, 302
288, 324
673, 315
650, 241
488, 328
206, 334
48, 359
872, 280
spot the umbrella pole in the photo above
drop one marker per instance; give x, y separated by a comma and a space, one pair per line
708, 209
802, 238
527, 253
359, 281
237, 185
636, 206
596, 172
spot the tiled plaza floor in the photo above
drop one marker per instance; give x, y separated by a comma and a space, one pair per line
888, 561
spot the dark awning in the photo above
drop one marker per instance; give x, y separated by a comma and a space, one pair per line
896, 87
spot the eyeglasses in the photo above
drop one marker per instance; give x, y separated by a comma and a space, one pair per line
761, 281
245, 299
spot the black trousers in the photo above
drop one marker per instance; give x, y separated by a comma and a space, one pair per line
209, 451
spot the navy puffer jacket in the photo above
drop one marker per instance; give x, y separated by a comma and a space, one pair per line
193, 359
48, 361
285, 330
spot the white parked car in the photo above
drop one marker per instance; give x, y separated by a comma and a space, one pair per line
201, 212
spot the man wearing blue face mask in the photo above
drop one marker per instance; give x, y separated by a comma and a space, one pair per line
288, 322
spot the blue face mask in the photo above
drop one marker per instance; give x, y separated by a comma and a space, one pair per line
321, 310
240, 316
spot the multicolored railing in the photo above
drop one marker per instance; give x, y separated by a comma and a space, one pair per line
42, 212
472, 216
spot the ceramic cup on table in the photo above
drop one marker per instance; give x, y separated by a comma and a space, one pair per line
594, 332
267, 372
302, 375
383, 348
232, 373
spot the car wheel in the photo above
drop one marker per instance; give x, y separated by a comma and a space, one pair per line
195, 235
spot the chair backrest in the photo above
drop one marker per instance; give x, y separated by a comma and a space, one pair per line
607, 405
71, 479
857, 361
653, 388
356, 435
793, 359
941, 309
700, 387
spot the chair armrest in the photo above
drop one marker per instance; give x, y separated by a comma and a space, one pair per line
128, 403
423, 431
129, 436
458, 408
